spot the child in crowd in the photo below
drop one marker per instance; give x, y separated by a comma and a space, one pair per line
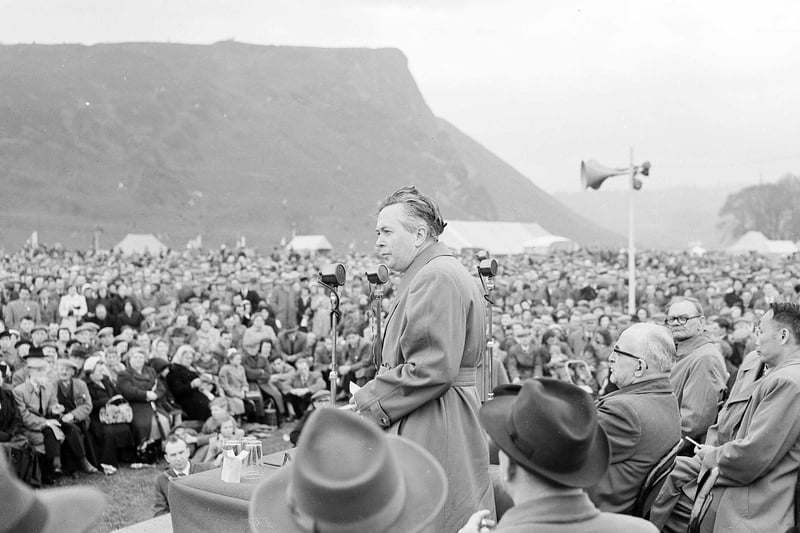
227, 430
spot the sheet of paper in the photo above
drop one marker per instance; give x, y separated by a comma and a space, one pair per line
354, 388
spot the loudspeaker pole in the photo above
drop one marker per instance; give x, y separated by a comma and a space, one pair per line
631, 245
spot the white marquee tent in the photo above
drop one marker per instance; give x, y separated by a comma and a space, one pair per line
499, 238
140, 243
309, 243
755, 241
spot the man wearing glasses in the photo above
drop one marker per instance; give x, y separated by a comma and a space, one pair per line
698, 376
641, 419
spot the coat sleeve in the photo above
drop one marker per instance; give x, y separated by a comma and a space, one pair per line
431, 346
623, 427
180, 382
83, 400
511, 365
30, 420
129, 390
161, 505
774, 428
701, 394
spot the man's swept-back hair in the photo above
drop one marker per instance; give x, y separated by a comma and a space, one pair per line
417, 206
788, 316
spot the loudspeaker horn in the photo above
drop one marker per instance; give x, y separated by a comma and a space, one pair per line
593, 173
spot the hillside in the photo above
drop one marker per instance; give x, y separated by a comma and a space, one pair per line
670, 218
233, 139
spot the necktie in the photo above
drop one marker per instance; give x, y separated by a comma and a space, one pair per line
41, 406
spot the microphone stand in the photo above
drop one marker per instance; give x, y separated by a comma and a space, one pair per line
335, 314
333, 276
488, 268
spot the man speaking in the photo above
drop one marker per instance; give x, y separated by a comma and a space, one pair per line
433, 340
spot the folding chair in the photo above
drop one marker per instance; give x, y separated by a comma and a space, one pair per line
653, 482
703, 499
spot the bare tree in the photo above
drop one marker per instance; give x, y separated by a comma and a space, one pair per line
771, 208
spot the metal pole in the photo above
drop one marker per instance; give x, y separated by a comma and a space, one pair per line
631, 247
333, 376
489, 360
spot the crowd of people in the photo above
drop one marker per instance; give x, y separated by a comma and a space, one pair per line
106, 358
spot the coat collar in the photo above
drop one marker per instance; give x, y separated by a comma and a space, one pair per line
689, 345
425, 256
657, 385
435, 250
553, 509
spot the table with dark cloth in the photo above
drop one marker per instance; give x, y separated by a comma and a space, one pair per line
203, 502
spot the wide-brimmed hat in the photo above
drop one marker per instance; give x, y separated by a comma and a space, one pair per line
63, 509
349, 476
550, 428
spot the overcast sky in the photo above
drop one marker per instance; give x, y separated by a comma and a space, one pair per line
708, 91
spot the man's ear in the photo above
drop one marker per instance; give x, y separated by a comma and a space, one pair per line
421, 235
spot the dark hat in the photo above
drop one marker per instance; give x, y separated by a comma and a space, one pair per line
20, 343
106, 331
36, 358
158, 364
350, 476
39, 327
74, 508
550, 428
273, 356
5, 333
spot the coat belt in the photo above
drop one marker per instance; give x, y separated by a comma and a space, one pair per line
466, 377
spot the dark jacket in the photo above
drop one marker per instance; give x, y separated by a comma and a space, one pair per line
643, 423
191, 400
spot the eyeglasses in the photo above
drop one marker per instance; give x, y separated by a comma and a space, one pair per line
680, 320
617, 351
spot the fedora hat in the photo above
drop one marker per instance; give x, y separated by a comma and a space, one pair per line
550, 428
349, 476
49, 510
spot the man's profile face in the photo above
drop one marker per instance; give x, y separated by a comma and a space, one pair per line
396, 245
177, 455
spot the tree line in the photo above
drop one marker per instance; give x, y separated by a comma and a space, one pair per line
771, 208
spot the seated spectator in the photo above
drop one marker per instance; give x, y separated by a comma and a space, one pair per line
233, 380
641, 418
37, 402
302, 385
227, 430
138, 385
258, 372
403, 490
109, 437
207, 363
191, 389
359, 363
177, 456
291, 344
73, 395
551, 449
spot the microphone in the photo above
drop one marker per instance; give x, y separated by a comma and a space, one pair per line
378, 275
333, 275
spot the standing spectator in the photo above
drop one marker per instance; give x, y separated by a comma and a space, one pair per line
523, 360
22, 307
72, 304
698, 377
48, 307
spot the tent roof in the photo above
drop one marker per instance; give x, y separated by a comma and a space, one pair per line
755, 241
140, 243
309, 242
500, 238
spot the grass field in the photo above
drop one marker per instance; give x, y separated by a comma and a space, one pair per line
129, 493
